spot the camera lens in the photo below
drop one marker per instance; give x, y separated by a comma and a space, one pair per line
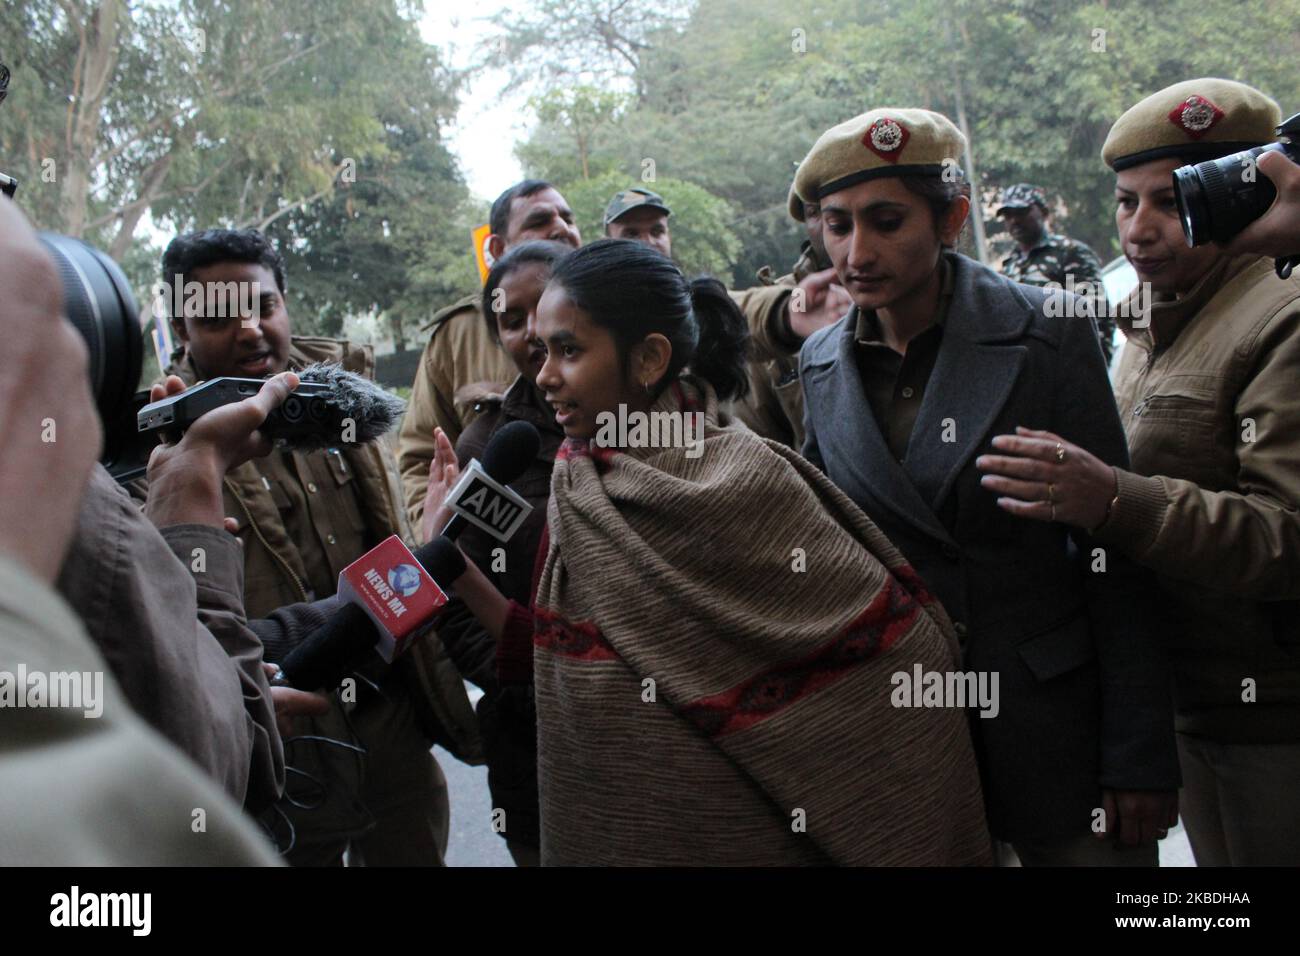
98, 302
1220, 197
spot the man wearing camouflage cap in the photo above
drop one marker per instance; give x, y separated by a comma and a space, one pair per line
642, 216
903, 396
1042, 257
1211, 502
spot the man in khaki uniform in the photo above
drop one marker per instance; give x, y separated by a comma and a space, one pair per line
1207, 392
779, 321
461, 355
302, 518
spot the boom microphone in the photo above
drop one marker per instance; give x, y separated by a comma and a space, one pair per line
330, 406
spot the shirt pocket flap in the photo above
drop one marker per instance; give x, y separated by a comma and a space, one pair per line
339, 466
1059, 650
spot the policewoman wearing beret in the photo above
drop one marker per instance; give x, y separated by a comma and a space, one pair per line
1209, 392
938, 355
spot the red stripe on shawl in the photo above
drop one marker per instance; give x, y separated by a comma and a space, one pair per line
908, 577
582, 641
873, 632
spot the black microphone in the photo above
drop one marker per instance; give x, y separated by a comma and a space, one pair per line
508, 453
326, 655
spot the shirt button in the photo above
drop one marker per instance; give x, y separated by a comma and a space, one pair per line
330, 538
907, 392
311, 486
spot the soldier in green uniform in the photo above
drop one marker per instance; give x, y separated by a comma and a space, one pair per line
461, 356
1042, 257
302, 517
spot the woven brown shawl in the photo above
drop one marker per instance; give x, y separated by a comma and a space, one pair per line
701, 702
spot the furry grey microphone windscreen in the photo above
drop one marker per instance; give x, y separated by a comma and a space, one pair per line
374, 409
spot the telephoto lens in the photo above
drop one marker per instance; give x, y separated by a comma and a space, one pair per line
1220, 197
97, 300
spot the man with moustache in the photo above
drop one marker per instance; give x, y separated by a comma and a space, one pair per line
302, 517
460, 355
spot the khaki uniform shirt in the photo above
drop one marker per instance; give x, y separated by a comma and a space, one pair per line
1208, 393
460, 357
774, 406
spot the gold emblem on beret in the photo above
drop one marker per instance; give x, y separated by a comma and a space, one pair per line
886, 138
1195, 116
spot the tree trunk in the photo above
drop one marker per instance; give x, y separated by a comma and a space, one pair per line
97, 59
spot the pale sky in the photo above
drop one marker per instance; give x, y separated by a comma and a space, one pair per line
491, 120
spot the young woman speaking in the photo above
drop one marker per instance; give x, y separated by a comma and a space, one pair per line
717, 630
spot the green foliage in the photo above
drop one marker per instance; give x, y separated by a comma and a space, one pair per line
319, 122
733, 98
701, 223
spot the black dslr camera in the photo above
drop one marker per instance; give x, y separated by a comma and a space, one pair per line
1220, 197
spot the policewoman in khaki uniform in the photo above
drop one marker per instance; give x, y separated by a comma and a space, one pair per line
938, 355
302, 517
1209, 391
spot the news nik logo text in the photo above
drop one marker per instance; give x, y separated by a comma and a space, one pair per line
77, 909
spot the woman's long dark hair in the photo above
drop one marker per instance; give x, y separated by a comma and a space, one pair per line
536, 252
634, 291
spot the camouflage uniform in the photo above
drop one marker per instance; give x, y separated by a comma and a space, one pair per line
1054, 258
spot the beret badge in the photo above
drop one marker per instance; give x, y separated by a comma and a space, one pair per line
886, 138
1195, 116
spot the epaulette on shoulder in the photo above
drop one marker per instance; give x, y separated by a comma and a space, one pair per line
469, 303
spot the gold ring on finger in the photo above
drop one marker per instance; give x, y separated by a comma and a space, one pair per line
1051, 492
1060, 453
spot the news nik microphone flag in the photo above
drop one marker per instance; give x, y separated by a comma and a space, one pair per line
394, 590
487, 504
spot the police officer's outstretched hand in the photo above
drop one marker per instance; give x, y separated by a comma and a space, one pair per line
816, 302
185, 478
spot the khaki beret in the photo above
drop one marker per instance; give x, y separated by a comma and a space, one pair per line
1194, 121
795, 204
882, 142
